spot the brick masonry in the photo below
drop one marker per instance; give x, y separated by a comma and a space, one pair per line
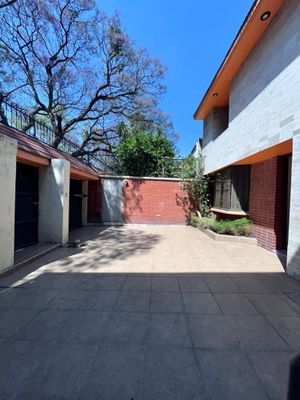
267, 203
154, 202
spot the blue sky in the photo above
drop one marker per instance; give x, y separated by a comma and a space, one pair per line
191, 38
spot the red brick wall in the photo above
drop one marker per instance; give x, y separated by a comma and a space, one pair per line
154, 202
266, 203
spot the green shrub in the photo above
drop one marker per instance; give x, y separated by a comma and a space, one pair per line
194, 220
237, 227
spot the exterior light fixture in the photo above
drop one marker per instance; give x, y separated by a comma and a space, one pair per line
265, 15
216, 94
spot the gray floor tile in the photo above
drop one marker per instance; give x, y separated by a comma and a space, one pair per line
203, 303
126, 328
28, 298
227, 375
165, 284
48, 280
138, 283
289, 329
98, 282
73, 326
68, 299
115, 373
169, 330
12, 319
280, 284
102, 300
272, 369
170, 374
133, 301
17, 364
271, 305
193, 284
250, 284
211, 332
166, 302
221, 285
255, 333
235, 304
61, 372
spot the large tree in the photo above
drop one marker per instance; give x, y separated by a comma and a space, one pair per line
76, 69
145, 152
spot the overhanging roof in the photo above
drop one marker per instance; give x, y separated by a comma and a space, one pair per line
248, 36
39, 152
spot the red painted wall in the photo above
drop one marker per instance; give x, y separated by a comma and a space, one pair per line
94, 201
154, 202
266, 203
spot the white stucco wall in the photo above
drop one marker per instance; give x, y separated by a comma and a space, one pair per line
8, 155
293, 264
265, 94
54, 187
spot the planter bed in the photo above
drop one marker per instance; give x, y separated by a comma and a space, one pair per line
227, 238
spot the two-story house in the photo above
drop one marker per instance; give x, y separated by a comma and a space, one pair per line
251, 134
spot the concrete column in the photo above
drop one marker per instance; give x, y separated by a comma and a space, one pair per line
8, 159
54, 187
84, 202
293, 259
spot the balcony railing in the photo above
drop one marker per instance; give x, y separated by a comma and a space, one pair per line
17, 117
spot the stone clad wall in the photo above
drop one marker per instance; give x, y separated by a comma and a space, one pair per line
264, 95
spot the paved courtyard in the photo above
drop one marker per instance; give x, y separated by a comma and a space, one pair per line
149, 313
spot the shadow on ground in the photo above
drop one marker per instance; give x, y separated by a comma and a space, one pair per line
148, 336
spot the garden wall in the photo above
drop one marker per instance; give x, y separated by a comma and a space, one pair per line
154, 201
118, 200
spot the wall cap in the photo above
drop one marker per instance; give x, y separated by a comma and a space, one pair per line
140, 178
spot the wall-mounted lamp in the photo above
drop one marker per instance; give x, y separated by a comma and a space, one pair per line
265, 15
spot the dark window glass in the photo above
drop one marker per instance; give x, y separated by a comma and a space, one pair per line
232, 188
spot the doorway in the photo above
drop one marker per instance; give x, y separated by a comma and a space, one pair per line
27, 203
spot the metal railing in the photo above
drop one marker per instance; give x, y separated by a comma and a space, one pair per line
13, 115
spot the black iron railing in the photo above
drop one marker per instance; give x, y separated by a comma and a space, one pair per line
13, 115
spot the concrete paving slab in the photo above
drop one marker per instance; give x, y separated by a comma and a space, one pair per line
71, 326
193, 284
202, 295
271, 305
101, 300
221, 285
61, 372
202, 303
165, 284
211, 332
12, 320
126, 328
171, 373
68, 299
133, 301
272, 369
166, 302
235, 304
289, 329
137, 283
168, 330
27, 298
115, 373
256, 333
227, 375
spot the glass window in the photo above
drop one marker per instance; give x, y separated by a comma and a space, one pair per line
232, 188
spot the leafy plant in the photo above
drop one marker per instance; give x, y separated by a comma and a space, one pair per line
237, 227
145, 153
195, 183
